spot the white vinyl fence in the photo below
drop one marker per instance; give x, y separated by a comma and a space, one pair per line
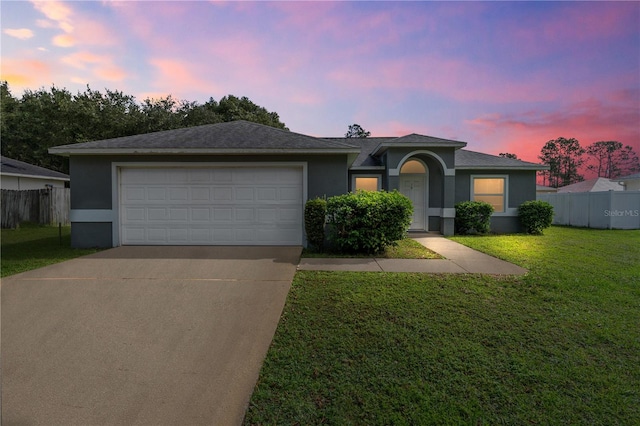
605, 210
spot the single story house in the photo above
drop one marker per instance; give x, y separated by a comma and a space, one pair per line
630, 182
598, 184
242, 183
20, 176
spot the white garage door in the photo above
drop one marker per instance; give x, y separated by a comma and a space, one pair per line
211, 206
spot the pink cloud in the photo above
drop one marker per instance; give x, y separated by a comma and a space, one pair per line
179, 77
25, 73
452, 78
56, 11
589, 121
306, 98
101, 66
90, 32
111, 73
19, 33
64, 40
81, 59
571, 24
77, 28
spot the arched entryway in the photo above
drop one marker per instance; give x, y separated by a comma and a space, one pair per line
414, 184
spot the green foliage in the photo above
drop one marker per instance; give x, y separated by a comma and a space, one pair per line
315, 216
43, 118
610, 159
356, 131
508, 155
535, 216
368, 221
473, 216
564, 158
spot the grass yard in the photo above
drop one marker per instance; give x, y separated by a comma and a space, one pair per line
560, 345
406, 248
31, 246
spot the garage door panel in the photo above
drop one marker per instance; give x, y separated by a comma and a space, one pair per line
178, 214
178, 193
267, 215
211, 205
222, 194
200, 176
244, 194
134, 193
200, 214
133, 214
222, 214
157, 214
291, 215
157, 234
244, 215
179, 235
267, 194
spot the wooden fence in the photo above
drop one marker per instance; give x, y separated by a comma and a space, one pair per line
42, 206
604, 210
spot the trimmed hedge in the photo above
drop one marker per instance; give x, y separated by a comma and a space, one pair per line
315, 217
535, 216
473, 216
368, 221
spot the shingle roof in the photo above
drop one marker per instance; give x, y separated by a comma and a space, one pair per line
592, 185
629, 177
16, 167
230, 137
417, 140
367, 146
466, 159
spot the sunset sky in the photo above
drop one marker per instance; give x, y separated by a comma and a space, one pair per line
502, 76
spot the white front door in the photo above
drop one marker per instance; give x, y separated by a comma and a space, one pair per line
414, 187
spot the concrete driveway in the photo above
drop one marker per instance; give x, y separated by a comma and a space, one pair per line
141, 335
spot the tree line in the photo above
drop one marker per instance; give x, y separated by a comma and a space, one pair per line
43, 118
568, 161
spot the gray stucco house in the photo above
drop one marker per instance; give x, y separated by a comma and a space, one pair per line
242, 183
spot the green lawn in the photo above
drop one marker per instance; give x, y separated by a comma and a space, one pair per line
560, 345
31, 246
406, 248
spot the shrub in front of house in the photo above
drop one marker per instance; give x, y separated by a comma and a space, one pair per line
368, 221
473, 216
535, 216
315, 216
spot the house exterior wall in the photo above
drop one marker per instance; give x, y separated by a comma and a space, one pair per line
440, 162
93, 213
521, 187
24, 183
632, 185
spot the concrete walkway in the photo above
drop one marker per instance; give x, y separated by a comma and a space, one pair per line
458, 259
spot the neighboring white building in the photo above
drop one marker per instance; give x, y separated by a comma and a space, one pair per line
541, 189
592, 185
18, 175
631, 182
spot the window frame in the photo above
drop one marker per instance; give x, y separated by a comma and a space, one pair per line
505, 195
354, 178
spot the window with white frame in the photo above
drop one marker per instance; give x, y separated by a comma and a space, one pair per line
490, 189
367, 183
